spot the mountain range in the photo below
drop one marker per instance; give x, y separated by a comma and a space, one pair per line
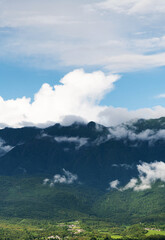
107, 172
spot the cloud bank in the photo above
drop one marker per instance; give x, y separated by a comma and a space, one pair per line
149, 173
77, 97
116, 35
122, 132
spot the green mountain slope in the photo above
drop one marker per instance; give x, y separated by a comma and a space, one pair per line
29, 198
80, 161
133, 206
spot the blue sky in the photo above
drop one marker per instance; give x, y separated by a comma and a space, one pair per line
118, 45
138, 90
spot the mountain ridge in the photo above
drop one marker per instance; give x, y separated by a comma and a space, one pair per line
84, 170
89, 150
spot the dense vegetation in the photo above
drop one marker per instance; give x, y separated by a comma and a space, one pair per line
133, 206
85, 209
28, 229
28, 197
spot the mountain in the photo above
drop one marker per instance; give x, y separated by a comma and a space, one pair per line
96, 154
106, 172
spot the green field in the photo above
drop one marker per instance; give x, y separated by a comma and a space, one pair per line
28, 229
155, 232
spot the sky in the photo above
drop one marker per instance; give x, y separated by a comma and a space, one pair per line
89, 60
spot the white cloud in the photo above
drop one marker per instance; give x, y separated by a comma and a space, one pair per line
76, 98
123, 132
141, 7
132, 184
119, 6
114, 184
132, 62
78, 94
119, 132
114, 116
66, 178
45, 181
49, 34
161, 95
149, 173
78, 141
69, 119
14, 111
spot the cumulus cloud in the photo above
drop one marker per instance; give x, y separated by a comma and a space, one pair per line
66, 178
13, 111
78, 141
76, 98
149, 173
78, 94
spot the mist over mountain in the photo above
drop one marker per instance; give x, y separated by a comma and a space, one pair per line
84, 170
127, 156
